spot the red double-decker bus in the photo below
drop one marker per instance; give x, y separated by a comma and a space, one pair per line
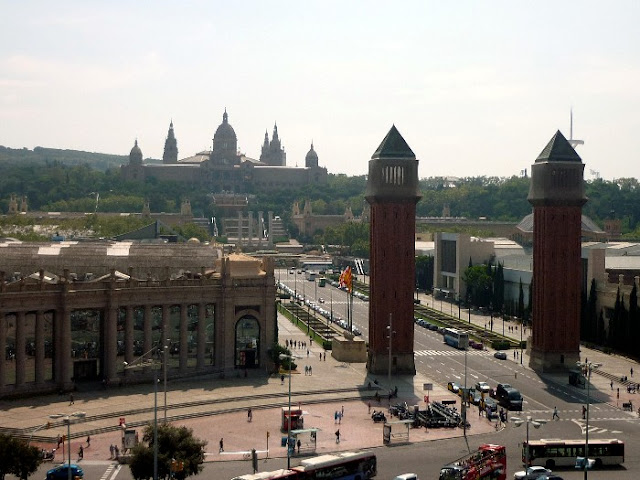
488, 462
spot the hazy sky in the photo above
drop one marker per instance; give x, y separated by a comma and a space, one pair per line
475, 88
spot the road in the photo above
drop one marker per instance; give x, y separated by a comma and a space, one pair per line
542, 393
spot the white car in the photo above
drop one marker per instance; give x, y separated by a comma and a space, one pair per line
532, 473
483, 387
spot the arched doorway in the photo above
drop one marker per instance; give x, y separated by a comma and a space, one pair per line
247, 352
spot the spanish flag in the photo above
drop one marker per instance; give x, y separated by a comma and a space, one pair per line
346, 278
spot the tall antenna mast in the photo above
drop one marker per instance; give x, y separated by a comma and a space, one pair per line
572, 142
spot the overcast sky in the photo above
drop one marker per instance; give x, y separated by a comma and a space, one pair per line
476, 88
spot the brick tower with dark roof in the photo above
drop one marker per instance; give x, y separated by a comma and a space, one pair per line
557, 195
392, 191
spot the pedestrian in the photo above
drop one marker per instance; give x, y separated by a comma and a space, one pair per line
369, 405
306, 370
281, 379
221, 445
111, 451
59, 439
514, 354
80, 453
88, 440
555, 415
611, 383
338, 436
342, 410
335, 417
631, 371
299, 445
339, 418
249, 415
310, 370
584, 412
116, 450
286, 342
307, 352
71, 401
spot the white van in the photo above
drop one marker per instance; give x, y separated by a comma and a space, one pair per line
407, 476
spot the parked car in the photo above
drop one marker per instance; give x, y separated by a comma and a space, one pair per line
474, 396
532, 473
61, 472
493, 407
500, 355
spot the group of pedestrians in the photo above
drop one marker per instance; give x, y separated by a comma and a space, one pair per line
338, 414
296, 344
308, 370
114, 451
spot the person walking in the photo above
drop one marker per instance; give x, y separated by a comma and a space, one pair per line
338, 436
369, 405
88, 440
584, 412
112, 450
80, 453
71, 401
611, 383
249, 415
555, 415
221, 446
310, 370
299, 445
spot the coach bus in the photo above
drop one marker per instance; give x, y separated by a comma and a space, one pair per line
563, 453
337, 466
456, 338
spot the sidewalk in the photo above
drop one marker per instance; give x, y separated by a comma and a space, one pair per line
189, 404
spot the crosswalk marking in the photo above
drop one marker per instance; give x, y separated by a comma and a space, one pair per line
448, 353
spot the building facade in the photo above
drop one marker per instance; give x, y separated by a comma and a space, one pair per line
392, 192
61, 329
223, 168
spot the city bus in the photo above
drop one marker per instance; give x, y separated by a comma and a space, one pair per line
563, 453
322, 282
336, 466
456, 338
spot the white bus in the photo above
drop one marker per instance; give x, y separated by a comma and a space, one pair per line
563, 453
456, 338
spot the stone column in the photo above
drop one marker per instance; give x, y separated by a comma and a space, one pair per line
146, 332
184, 337
270, 230
3, 349
260, 229
128, 334
166, 334
110, 344
21, 355
201, 336
250, 229
239, 242
40, 357
64, 361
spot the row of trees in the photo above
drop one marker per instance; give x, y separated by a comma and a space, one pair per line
624, 322
52, 184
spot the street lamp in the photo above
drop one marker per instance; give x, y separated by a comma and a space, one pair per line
142, 362
282, 357
390, 337
588, 366
517, 421
67, 419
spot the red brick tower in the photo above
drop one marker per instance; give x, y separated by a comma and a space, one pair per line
557, 195
392, 192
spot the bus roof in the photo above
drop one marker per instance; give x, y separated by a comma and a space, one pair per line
560, 441
326, 460
275, 474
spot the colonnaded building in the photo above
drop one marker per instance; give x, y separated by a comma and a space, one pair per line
223, 168
91, 306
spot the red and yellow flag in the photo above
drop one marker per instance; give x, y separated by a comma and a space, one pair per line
346, 278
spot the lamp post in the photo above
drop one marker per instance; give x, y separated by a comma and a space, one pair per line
390, 337
165, 350
465, 398
282, 357
142, 362
517, 421
67, 419
588, 366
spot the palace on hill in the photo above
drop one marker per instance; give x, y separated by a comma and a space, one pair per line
224, 168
